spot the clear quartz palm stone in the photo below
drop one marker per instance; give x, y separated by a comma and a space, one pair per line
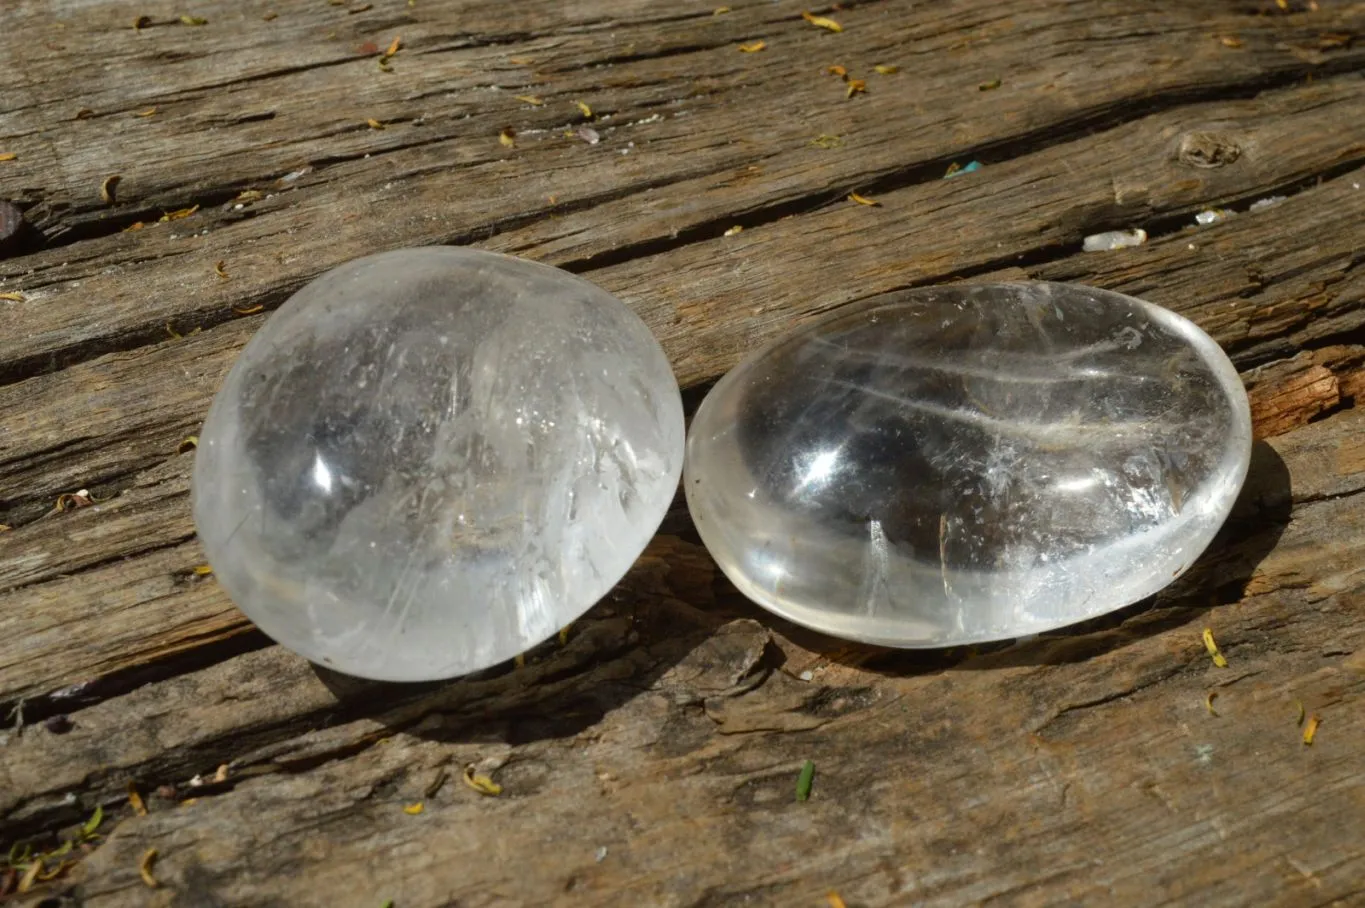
430, 460
969, 463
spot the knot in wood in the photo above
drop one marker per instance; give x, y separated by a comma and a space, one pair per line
1208, 149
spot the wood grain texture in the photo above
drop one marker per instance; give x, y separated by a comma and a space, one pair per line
651, 759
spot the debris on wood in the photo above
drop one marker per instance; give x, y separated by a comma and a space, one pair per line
508, 137
413, 810
373, 123
194, 20
12, 296
270, 16
564, 634
825, 140
1299, 721
520, 61
222, 773
530, 99
84, 113
141, 22
835, 901
149, 112
1311, 729
109, 187
179, 214
1267, 202
738, 228
752, 47
1212, 647
804, 780
519, 660
203, 570
135, 800
720, 10
8, 156
480, 783
822, 22
863, 200
886, 69
1230, 41
248, 310
90, 826
30, 876
1211, 216
992, 85
954, 170
1208, 703
588, 134
837, 70
1114, 239
856, 87
584, 109
220, 269
144, 868
70, 501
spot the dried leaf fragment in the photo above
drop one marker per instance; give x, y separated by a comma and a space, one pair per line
136, 225
1299, 720
564, 634
135, 800
753, 47
180, 214
30, 876
720, 10
144, 868
394, 47
835, 901
508, 137
203, 570
194, 20
991, 85
863, 200
12, 296
1311, 729
373, 123
89, 826
825, 140
530, 99
149, 112
822, 22
1230, 41
108, 188
189, 444
837, 70
220, 270
8, 156
413, 810
584, 109
886, 69
738, 228
1212, 647
480, 783
1208, 703
249, 310
856, 87
804, 780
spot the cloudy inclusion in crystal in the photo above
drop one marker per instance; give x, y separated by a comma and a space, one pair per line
962, 464
428, 461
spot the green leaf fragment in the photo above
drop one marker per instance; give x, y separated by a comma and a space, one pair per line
94, 822
803, 781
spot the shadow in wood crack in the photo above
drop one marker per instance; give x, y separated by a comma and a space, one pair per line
651, 622
1219, 576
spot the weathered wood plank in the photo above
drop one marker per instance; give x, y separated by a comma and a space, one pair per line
668, 730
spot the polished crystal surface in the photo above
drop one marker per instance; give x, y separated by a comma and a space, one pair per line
428, 461
969, 463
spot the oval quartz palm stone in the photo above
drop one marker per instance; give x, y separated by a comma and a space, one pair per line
428, 461
963, 464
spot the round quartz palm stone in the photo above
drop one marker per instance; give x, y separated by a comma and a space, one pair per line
963, 464
428, 461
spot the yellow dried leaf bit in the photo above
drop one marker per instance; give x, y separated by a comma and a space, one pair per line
203, 570
837, 70
480, 783
8, 156
144, 868
530, 99
1208, 703
194, 20
413, 810
886, 69
752, 47
220, 269
1311, 729
1212, 647
822, 22
508, 137
863, 200
189, 444
373, 123
856, 87
12, 296
135, 800
584, 109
